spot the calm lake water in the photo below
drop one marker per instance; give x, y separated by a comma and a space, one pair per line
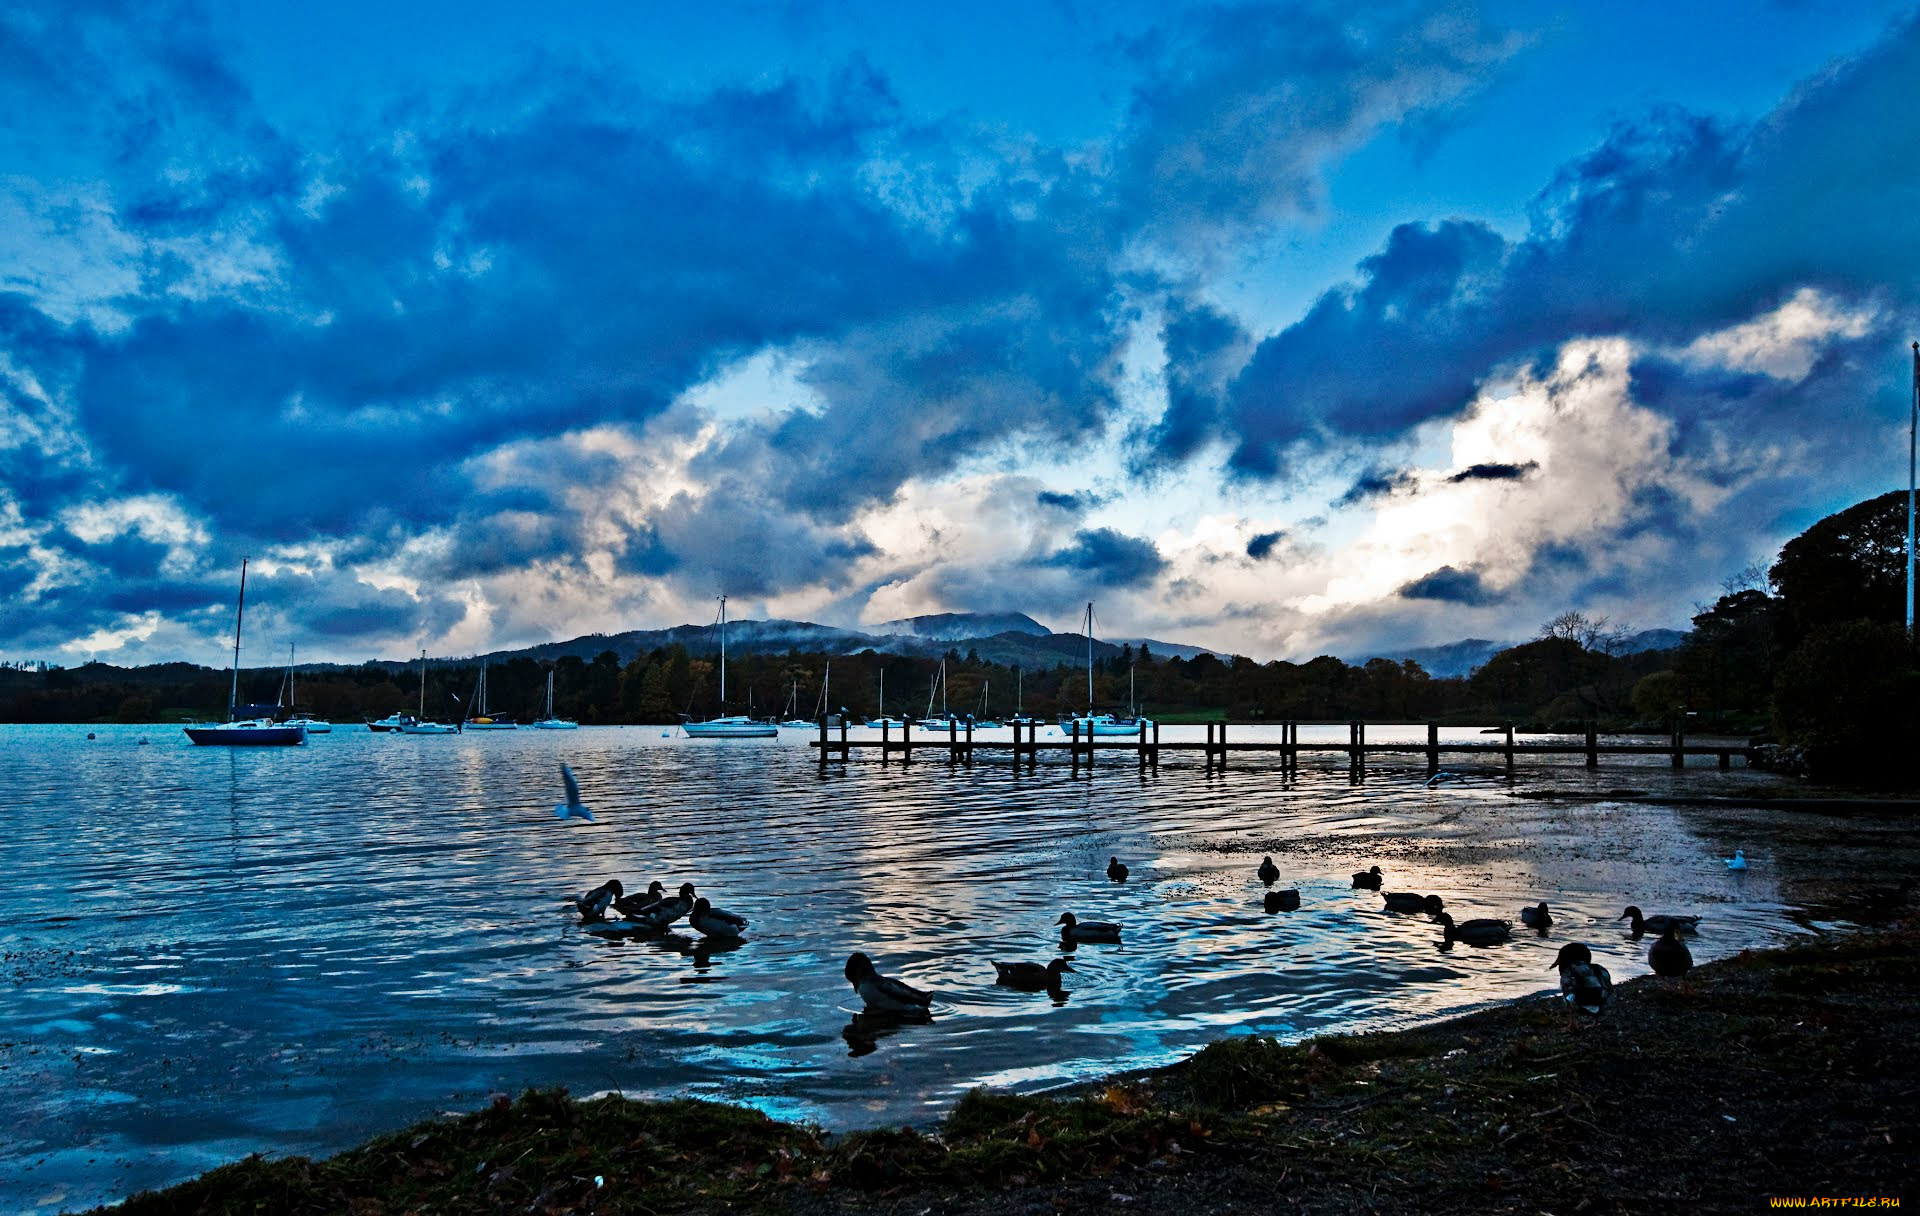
209, 952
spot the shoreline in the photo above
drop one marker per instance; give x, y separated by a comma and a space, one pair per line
1783, 1072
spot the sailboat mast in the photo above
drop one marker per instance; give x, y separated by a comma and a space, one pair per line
1089, 656
423, 683
239, 611
723, 654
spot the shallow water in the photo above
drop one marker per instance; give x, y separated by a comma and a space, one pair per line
209, 952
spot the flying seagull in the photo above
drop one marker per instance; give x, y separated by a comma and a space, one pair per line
572, 807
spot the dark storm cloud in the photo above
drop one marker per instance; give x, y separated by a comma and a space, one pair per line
1109, 558
1495, 472
1081, 501
1263, 544
1375, 483
1449, 586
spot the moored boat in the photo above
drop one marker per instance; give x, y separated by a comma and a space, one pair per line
252, 731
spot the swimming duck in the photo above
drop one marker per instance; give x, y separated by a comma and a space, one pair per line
1073, 929
1367, 879
1738, 861
1584, 984
594, 904
639, 901
664, 913
884, 993
1481, 931
1408, 901
1283, 901
1537, 917
1658, 924
1031, 977
709, 921
1115, 870
1669, 956
1268, 872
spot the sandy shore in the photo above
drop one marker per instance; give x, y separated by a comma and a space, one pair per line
1775, 1073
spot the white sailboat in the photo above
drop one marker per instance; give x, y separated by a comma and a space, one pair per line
939, 686
879, 720
985, 721
482, 720
548, 721
819, 706
313, 725
728, 726
244, 732
420, 725
1091, 723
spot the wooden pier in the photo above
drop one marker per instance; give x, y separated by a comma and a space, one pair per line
959, 745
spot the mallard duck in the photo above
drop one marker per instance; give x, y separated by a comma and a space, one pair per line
1738, 861
640, 901
1073, 929
664, 913
1268, 872
884, 993
1031, 977
1669, 956
1367, 879
709, 921
594, 904
1481, 931
1282, 901
1408, 901
1584, 984
1537, 917
1658, 924
1115, 870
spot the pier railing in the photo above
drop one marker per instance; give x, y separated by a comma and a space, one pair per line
959, 743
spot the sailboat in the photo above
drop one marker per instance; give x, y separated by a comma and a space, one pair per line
940, 686
420, 725
819, 707
314, 726
1091, 723
985, 721
881, 718
247, 732
481, 719
1020, 716
549, 722
728, 726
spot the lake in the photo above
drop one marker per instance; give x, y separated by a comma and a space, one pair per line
210, 952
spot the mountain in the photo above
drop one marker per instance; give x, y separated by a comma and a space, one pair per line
959, 626
1652, 639
1444, 662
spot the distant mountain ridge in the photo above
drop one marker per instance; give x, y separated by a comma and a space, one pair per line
1460, 658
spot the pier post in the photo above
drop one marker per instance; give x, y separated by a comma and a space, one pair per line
1143, 744
969, 740
953, 741
1726, 759
1156, 745
906, 741
823, 743
1509, 749
1593, 744
1433, 748
1223, 743
1293, 748
1356, 749
1679, 742
846, 749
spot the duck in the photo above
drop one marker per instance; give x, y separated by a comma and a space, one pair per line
594, 904
664, 913
1282, 901
1658, 924
1031, 977
1073, 929
1408, 901
1669, 956
1367, 879
639, 901
1537, 917
1482, 931
883, 993
1268, 872
1738, 861
709, 921
1115, 870
1584, 984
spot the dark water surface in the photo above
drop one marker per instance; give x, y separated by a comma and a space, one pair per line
209, 952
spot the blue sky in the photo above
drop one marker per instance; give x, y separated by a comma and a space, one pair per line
1270, 327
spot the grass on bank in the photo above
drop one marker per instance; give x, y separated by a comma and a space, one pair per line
1773, 1072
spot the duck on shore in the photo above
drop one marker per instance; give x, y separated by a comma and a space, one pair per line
1657, 924
883, 993
1073, 929
1584, 984
1669, 956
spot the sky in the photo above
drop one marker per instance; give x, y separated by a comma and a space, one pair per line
1280, 329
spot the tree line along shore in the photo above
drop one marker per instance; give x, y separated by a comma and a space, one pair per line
1811, 651
1774, 1074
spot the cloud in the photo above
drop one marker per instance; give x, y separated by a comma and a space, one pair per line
1109, 558
1449, 586
1494, 471
1262, 544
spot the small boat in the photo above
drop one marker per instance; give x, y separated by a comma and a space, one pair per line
728, 726
249, 732
393, 722
882, 719
482, 719
819, 706
985, 720
945, 721
312, 725
1091, 724
548, 721
420, 725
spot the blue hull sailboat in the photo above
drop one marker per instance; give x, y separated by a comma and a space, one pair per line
248, 732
